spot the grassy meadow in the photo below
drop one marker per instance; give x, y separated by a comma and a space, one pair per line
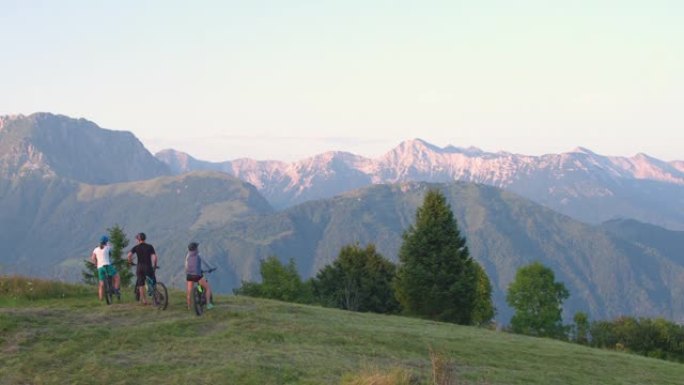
53, 333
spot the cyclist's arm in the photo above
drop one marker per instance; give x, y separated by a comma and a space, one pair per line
130, 257
93, 259
154, 261
204, 267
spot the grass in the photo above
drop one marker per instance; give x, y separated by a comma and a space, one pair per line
68, 336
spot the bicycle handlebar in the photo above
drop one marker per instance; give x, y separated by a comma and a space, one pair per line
133, 264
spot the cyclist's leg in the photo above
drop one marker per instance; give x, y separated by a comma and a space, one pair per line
207, 287
140, 285
100, 284
117, 283
100, 290
141, 292
116, 279
188, 292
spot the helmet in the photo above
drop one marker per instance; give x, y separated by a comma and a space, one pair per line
193, 246
104, 239
140, 236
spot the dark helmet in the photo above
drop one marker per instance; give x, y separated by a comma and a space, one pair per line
140, 236
104, 239
193, 246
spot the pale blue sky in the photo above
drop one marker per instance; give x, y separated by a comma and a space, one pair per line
290, 79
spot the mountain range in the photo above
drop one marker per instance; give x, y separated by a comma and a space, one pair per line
56, 199
580, 183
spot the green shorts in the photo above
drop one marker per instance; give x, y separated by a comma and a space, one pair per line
111, 270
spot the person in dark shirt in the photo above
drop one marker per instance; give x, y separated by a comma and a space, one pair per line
147, 263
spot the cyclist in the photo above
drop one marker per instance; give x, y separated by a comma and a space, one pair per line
193, 273
101, 258
147, 263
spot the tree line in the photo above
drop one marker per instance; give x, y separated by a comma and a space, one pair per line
437, 279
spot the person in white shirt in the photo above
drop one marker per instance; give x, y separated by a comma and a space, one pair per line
102, 260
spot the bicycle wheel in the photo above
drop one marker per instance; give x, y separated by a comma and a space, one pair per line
160, 296
197, 301
108, 290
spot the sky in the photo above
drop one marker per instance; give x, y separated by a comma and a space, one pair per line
285, 80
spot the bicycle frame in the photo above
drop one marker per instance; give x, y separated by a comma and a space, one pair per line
108, 288
155, 289
199, 294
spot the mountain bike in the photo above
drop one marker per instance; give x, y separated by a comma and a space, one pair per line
109, 291
199, 295
107, 285
156, 290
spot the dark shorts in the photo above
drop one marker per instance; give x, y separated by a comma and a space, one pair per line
142, 272
193, 278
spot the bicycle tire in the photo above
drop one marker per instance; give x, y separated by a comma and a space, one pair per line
108, 291
197, 301
160, 296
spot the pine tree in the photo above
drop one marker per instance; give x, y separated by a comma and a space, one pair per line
89, 272
119, 242
436, 278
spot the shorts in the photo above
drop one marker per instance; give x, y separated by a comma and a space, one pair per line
111, 271
142, 273
193, 278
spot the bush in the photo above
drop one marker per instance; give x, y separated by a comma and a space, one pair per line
278, 281
358, 280
656, 338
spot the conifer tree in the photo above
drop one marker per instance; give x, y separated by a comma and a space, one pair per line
119, 242
436, 278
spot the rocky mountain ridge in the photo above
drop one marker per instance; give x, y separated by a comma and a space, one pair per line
580, 183
48, 145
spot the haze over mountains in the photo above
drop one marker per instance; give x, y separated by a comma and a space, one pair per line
64, 181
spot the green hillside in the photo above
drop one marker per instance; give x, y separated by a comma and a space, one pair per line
68, 217
53, 334
607, 275
50, 226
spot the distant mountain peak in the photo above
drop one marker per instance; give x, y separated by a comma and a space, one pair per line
76, 149
413, 149
582, 150
470, 150
423, 145
643, 156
